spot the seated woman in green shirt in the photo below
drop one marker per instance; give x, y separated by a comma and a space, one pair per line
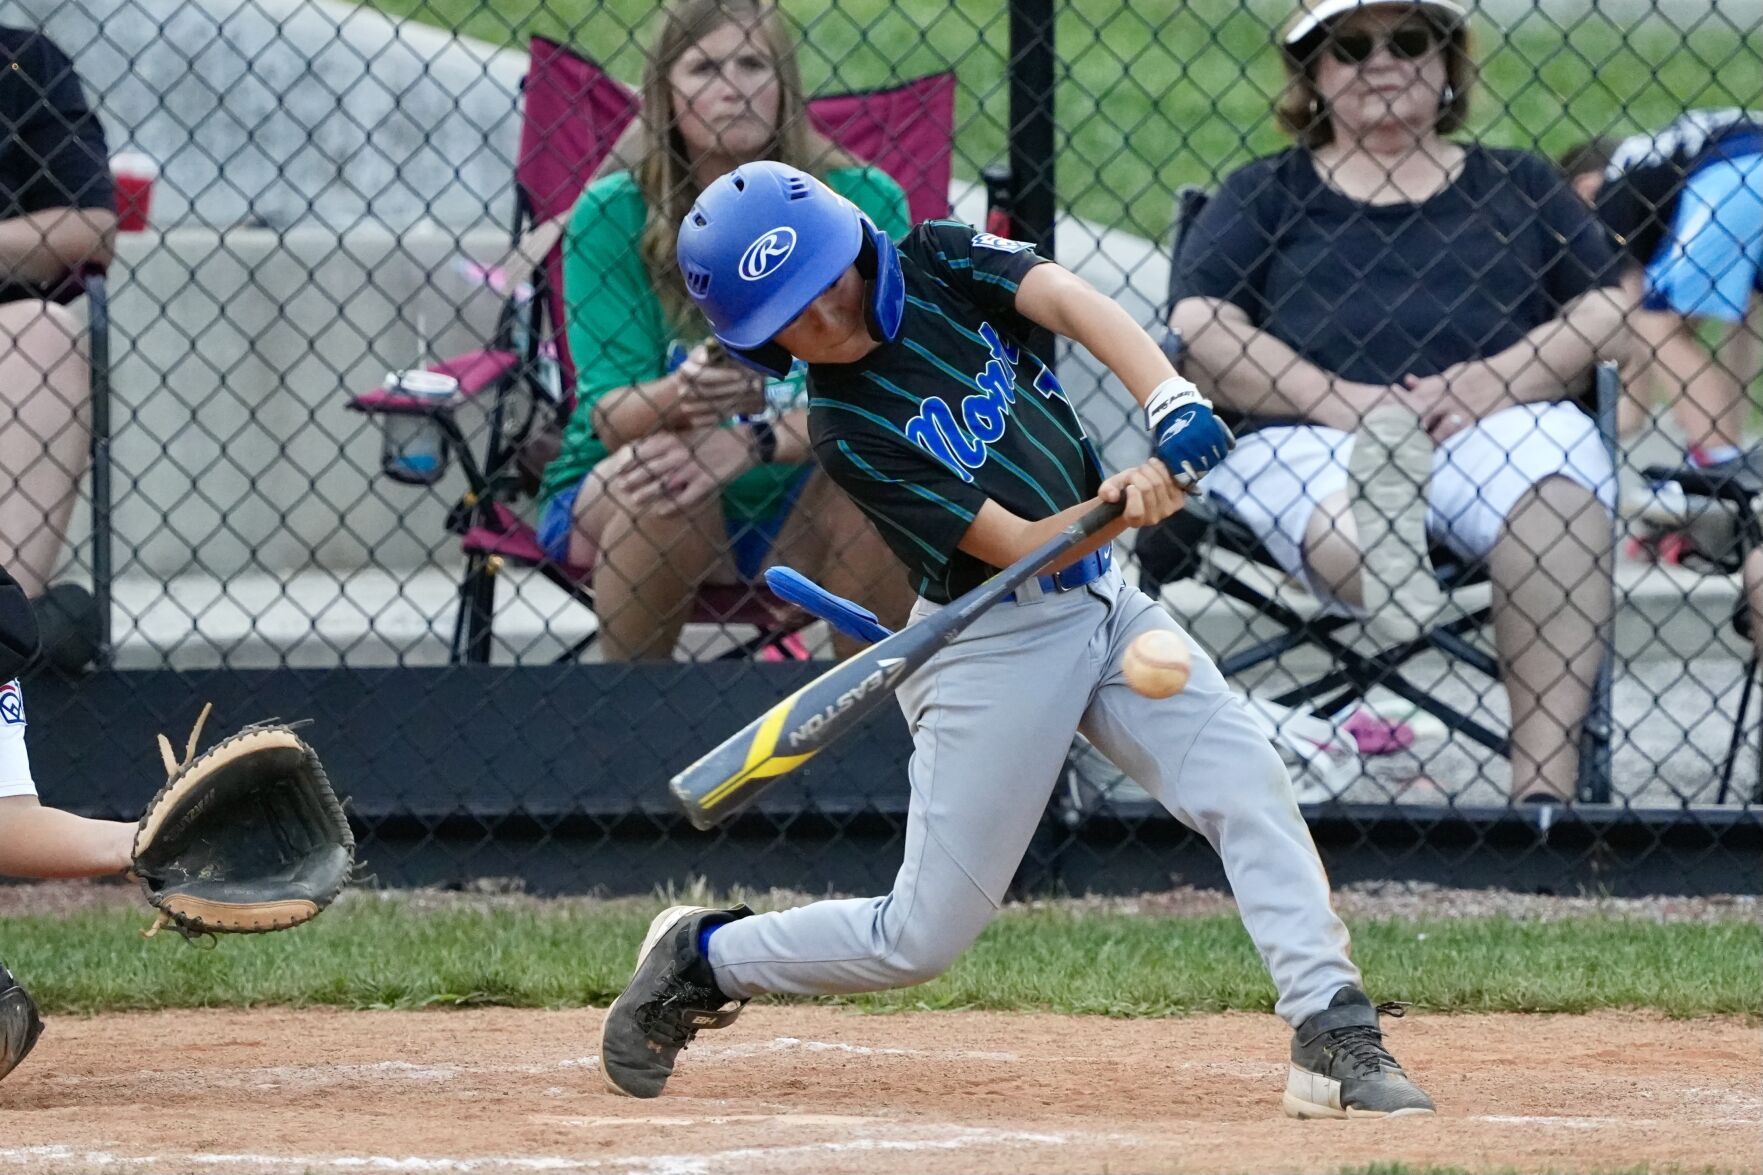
678, 467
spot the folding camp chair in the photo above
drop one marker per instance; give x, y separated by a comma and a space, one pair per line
1741, 499
573, 113
1182, 548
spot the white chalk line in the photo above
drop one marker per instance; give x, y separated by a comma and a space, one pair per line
739, 1158
270, 1077
785, 1044
275, 1077
1570, 1122
1246, 1070
1732, 1101
787, 1117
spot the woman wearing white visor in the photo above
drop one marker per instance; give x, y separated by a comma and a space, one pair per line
1406, 326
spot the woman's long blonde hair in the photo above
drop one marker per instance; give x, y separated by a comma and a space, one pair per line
653, 151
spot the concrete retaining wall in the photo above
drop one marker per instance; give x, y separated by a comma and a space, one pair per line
233, 356
280, 112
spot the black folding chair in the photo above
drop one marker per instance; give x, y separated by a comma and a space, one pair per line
1182, 548
1742, 500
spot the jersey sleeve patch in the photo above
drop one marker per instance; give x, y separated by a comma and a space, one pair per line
11, 704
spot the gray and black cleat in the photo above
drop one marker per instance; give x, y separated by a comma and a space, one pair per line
1340, 1068
671, 998
19, 1023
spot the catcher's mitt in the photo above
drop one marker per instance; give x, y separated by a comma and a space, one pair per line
249, 837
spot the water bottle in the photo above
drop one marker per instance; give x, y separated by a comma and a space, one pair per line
550, 373
415, 448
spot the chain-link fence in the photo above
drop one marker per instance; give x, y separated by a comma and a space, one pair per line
401, 416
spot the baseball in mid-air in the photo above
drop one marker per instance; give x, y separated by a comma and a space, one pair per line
1157, 663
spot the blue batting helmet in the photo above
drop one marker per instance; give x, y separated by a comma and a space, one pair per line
764, 241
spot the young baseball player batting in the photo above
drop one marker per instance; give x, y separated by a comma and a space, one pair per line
932, 406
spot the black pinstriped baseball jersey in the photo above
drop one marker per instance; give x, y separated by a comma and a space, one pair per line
959, 409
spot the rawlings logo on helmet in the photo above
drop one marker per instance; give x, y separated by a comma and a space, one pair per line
767, 254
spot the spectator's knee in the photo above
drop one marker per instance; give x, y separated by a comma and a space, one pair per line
1190, 317
1559, 504
828, 508
619, 498
43, 343
41, 325
610, 496
1572, 500
60, 323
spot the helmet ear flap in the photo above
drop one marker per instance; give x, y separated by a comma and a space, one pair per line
879, 265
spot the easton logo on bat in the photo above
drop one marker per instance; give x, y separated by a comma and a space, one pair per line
886, 675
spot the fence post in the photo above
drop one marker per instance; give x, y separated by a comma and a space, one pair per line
103, 502
1032, 66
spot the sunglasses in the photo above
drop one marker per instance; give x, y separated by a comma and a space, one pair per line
1409, 42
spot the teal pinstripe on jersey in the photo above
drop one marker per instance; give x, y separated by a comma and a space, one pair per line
959, 409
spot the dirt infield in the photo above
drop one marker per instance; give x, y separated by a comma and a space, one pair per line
816, 1089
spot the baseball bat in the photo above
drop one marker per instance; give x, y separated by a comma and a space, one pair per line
815, 716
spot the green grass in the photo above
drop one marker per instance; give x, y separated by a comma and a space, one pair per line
381, 954
1159, 94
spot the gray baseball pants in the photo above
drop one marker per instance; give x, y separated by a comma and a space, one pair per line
992, 717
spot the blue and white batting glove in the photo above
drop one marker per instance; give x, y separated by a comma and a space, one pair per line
1188, 437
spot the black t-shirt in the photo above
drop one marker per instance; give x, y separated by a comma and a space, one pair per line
52, 152
1375, 292
1646, 174
960, 408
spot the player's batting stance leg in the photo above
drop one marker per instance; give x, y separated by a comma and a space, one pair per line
781, 268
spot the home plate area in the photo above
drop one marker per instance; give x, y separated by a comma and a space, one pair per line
815, 1089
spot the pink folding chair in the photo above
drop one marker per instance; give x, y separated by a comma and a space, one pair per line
573, 113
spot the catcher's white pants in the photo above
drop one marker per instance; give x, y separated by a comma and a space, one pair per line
992, 718
15, 761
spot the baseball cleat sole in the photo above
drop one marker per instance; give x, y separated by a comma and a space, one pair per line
1311, 1096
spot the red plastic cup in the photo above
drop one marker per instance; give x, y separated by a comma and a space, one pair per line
134, 175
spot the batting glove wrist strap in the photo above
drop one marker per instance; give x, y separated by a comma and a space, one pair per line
1174, 392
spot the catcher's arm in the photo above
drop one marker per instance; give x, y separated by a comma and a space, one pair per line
35, 840
40, 841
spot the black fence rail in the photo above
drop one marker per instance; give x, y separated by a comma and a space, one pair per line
351, 378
